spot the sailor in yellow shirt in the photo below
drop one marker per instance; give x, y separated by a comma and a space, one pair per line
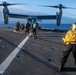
70, 41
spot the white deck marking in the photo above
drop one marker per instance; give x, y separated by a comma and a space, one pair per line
9, 59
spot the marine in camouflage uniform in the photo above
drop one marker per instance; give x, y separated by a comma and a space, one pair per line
17, 26
22, 28
27, 26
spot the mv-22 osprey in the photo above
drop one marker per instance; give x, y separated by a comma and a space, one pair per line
7, 14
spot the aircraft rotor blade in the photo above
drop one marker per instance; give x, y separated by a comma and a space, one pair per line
49, 6
17, 4
58, 6
8, 4
68, 7
1, 4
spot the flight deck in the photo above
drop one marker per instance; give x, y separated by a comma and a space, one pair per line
20, 54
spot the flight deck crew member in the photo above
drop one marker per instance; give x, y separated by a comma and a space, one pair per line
34, 26
70, 41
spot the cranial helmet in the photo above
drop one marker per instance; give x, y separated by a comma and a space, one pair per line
74, 26
32, 20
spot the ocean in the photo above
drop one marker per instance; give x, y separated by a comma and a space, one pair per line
42, 25
54, 26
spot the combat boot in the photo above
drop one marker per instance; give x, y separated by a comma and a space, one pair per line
61, 67
75, 62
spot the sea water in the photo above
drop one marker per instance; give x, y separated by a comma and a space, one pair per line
54, 26
6, 25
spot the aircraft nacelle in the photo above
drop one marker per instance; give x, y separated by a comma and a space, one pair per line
58, 17
5, 18
5, 15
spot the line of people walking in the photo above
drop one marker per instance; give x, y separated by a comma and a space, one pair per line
28, 27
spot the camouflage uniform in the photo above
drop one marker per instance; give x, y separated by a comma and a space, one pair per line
17, 26
27, 27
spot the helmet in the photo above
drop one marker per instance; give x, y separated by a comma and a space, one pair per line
74, 26
32, 20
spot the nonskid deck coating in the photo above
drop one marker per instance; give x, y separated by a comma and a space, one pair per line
39, 56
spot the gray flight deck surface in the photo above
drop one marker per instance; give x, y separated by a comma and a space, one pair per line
39, 56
